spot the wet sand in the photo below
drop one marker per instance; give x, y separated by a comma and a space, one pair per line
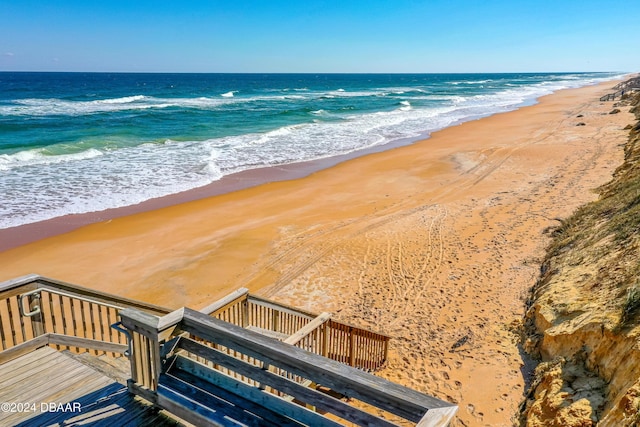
435, 244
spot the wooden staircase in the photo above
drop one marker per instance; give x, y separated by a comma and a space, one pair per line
620, 89
241, 361
214, 405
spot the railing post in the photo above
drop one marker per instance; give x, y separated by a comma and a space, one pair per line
352, 350
36, 321
245, 312
147, 332
325, 339
275, 320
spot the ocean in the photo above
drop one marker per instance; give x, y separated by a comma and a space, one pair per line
86, 142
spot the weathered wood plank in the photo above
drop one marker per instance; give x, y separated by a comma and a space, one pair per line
280, 308
51, 376
116, 368
56, 314
16, 322
8, 290
47, 315
170, 319
101, 411
60, 378
86, 343
224, 404
25, 366
65, 316
7, 332
254, 299
136, 359
302, 393
225, 302
7, 368
140, 322
77, 328
74, 386
98, 296
440, 417
263, 398
269, 333
23, 348
348, 381
155, 364
69, 379
187, 410
308, 328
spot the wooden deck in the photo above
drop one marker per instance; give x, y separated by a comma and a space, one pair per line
80, 394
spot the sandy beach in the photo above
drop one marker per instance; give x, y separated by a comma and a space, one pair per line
436, 243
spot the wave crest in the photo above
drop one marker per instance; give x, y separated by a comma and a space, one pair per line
39, 157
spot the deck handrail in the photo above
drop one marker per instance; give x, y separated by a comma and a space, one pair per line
34, 306
35, 281
159, 341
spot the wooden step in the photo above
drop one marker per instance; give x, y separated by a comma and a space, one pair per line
202, 407
203, 387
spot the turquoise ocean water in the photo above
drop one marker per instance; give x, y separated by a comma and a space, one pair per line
84, 142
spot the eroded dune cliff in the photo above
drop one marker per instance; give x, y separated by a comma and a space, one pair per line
583, 322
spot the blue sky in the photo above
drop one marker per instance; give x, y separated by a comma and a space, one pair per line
319, 36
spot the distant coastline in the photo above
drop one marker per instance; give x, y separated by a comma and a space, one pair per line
89, 143
23, 234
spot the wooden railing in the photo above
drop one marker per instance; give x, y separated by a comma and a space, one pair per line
33, 306
167, 372
339, 341
631, 83
621, 88
36, 311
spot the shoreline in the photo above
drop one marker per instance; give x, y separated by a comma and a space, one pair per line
13, 237
20, 235
435, 244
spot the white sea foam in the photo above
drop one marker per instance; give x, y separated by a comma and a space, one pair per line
403, 90
38, 157
71, 182
88, 182
123, 100
53, 107
228, 94
406, 105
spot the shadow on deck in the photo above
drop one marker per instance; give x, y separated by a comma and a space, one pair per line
49, 388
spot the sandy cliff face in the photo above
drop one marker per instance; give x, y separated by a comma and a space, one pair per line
584, 315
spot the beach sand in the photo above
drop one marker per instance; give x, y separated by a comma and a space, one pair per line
435, 244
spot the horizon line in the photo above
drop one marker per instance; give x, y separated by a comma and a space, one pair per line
308, 72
